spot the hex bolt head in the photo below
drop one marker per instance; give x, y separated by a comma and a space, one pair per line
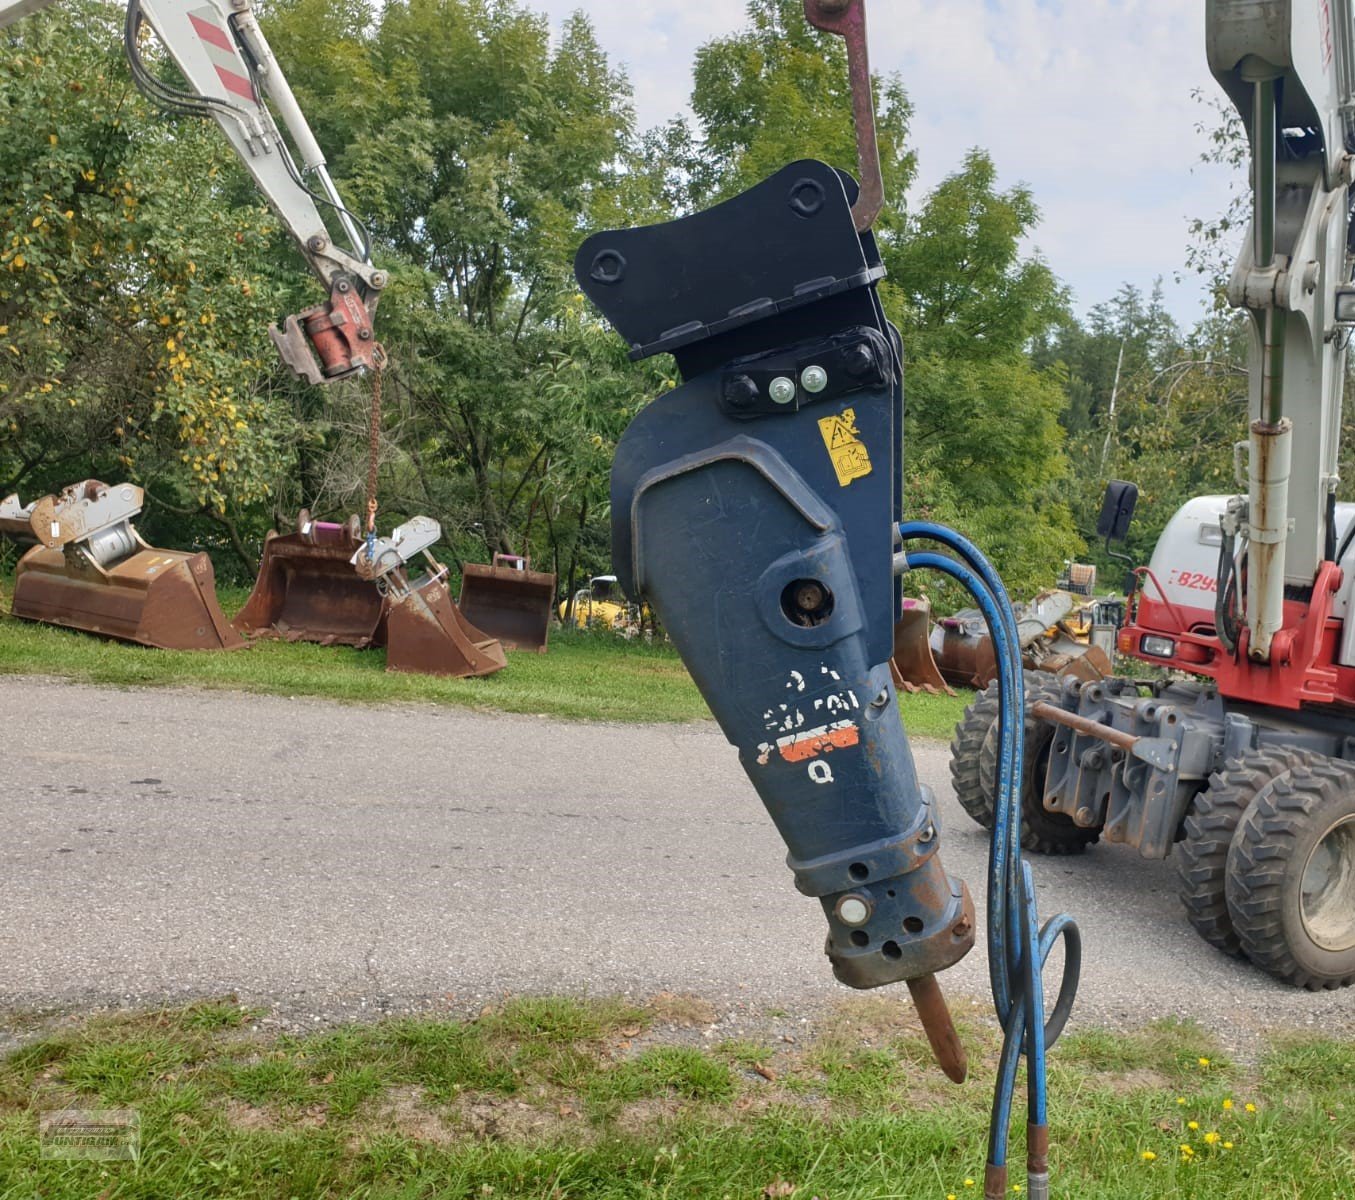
860, 360
814, 379
740, 391
378, 279
782, 390
853, 910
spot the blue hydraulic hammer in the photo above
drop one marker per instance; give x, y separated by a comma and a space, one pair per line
758, 510
754, 509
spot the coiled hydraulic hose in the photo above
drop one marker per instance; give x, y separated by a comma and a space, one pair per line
1017, 946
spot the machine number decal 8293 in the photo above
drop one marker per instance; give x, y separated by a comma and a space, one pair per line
1198, 580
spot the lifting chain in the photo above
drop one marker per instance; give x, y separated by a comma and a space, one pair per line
373, 460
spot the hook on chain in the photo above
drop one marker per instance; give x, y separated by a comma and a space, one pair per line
847, 19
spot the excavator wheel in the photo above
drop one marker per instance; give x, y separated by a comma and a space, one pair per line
973, 770
1202, 865
977, 728
1291, 877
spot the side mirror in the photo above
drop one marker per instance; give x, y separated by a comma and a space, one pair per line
1117, 510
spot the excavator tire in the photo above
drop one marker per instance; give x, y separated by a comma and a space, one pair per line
973, 768
1291, 877
976, 729
1202, 862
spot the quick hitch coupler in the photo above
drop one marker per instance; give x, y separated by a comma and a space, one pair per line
753, 509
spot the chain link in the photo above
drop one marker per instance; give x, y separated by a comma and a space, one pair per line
373, 450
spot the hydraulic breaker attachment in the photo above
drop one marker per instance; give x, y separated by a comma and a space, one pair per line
753, 509
90, 570
424, 631
915, 669
509, 601
308, 591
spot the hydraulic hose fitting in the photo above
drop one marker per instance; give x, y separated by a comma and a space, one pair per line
1037, 1161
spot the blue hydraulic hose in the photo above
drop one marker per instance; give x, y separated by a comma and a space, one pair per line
1017, 947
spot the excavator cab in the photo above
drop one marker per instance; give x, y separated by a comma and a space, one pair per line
307, 590
509, 601
90, 570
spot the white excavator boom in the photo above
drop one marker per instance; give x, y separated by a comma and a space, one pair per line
1289, 67
233, 78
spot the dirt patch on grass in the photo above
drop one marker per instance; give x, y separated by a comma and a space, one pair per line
250, 1118
505, 1119
681, 1009
404, 1110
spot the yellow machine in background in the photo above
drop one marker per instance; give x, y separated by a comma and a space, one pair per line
602, 605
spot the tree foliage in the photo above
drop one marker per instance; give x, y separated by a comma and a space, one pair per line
134, 300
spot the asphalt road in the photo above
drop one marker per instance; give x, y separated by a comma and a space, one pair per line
327, 860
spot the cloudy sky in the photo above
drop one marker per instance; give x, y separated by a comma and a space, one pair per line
1087, 101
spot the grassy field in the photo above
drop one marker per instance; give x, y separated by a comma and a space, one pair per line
584, 676
560, 1100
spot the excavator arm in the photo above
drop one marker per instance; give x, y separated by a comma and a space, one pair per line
234, 79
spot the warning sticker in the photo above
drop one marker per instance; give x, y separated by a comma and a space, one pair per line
845, 447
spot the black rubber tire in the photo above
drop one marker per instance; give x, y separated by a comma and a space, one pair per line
973, 771
1202, 855
1267, 862
976, 729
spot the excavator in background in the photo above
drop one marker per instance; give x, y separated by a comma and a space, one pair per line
1238, 754
309, 586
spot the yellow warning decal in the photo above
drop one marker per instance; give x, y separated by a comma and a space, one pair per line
845, 447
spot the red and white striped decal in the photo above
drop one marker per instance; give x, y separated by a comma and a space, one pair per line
221, 50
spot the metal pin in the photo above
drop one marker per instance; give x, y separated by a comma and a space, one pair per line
940, 1029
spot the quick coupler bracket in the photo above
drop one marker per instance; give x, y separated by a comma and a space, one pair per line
753, 509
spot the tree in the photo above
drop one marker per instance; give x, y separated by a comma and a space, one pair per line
134, 301
481, 154
984, 446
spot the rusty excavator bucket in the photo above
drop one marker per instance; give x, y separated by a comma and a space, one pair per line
90, 570
308, 591
509, 601
423, 630
912, 665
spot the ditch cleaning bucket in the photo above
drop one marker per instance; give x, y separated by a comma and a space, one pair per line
92, 571
308, 591
509, 601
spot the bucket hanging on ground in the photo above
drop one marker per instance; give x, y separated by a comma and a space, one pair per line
509, 601
308, 591
423, 630
92, 571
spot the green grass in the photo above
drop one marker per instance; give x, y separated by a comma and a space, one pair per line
559, 1099
583, 676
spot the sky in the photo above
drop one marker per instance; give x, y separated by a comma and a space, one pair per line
1089, 102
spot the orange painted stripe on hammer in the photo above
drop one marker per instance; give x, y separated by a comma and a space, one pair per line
823, 740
